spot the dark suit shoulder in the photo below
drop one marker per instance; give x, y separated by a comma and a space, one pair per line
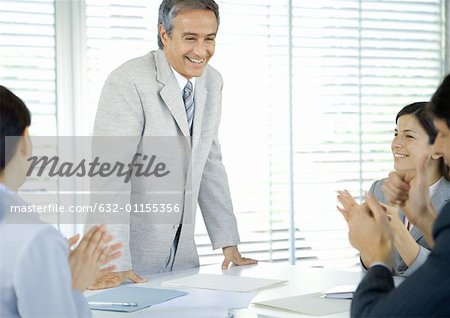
377, 282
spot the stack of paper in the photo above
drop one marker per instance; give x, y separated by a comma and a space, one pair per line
310, 304
340, 292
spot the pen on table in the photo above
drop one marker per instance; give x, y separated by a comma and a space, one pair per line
105, 303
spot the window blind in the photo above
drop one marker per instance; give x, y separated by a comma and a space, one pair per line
27, 58
116, 31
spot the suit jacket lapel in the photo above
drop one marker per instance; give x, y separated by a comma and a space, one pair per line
170, 93
199, 100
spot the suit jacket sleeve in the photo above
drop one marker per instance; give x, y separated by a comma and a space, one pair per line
426, 293
120, 113
43, 280
215, 200
377, 282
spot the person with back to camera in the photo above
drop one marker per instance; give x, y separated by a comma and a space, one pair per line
40, 276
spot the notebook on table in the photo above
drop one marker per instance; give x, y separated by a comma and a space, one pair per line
129, 299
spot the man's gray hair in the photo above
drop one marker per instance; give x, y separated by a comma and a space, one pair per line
169, 9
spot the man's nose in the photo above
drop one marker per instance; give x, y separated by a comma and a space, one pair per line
200, 49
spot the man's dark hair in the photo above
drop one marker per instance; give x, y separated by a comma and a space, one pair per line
419, 111
440, 102
14, 118
169, 9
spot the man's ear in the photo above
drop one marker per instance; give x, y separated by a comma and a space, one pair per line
24, 145
163, 34
436, 156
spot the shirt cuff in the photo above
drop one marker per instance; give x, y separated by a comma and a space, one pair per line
380, 264
418, 262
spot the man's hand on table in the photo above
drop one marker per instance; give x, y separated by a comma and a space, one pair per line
111, 280
231, 255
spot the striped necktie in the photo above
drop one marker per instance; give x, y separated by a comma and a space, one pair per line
188, 98
408, 224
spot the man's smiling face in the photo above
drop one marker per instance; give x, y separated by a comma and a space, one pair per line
192, 42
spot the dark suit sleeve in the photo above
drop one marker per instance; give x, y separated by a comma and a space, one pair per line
376, 283
426, 293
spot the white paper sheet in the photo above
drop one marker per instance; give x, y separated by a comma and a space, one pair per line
310, 304
222, 282
212, 298
180, 312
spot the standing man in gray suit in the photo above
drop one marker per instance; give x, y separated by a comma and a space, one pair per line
174, 92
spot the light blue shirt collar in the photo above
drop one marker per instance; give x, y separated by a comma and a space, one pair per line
6, 189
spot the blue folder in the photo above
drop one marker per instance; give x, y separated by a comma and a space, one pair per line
143, 297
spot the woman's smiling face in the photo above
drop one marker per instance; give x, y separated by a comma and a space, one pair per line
410, 144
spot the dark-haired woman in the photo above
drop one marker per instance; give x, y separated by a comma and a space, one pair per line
414, 136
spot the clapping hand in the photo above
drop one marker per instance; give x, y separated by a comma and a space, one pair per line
90, 255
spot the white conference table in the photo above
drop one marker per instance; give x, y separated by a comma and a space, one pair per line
200, 303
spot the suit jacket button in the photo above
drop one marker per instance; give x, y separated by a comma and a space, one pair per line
175, 226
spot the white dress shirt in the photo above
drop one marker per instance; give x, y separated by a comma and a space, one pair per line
182, 81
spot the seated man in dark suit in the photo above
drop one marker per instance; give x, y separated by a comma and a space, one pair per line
426, 293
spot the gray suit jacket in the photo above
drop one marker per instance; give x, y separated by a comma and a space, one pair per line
143, 98
439, 199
